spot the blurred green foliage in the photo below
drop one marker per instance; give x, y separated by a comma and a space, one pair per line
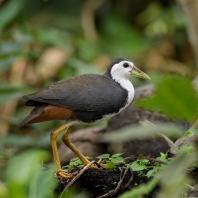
148, 130
43, 36
174, 97
26, 178
172, 179
11, 92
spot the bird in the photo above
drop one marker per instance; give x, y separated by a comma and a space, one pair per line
82, 99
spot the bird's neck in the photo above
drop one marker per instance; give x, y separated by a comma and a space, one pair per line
125, 83
107, 74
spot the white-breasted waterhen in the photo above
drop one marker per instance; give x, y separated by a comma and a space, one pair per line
83, 99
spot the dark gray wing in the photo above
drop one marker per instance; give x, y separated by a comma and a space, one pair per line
88, 92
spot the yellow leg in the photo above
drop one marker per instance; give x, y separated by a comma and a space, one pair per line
53, 137
73, 148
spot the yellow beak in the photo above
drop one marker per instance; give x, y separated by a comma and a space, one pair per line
140, 74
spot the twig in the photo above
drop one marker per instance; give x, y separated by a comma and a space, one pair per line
167, 139
190, 187
151, 159
189, 8
130, 180
87, 18
114, 191
77, 176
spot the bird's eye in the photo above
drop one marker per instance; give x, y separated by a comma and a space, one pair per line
125, 65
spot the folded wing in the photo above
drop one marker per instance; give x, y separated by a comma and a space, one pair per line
82, 93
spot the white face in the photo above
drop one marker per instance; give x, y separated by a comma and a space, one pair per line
122, 70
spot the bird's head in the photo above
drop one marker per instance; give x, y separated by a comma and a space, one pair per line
123, 69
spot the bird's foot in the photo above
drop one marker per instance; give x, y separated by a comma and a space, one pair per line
64, 175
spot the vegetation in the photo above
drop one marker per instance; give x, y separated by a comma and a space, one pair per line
45, 41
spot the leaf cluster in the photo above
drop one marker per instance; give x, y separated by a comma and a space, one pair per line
75, 163
145, 167
111, 160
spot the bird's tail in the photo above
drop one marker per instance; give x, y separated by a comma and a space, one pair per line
27, 120
38, 110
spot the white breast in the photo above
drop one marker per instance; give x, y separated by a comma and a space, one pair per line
126, 84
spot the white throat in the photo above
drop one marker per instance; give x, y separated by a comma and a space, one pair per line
126, 84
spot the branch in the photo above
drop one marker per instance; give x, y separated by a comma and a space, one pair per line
87, 18
190, 12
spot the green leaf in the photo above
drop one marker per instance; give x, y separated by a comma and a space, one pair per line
174, 175
22, 166
24, 172
163, 157
137, 167
9, 11
118, 160
174, 97
75, 162
141, 190
150, 173
187, 149
142, 161
104, 156
117, 155
42, 183
110, 165
191, 131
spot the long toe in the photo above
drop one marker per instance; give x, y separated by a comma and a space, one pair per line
98, 165
64, 175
